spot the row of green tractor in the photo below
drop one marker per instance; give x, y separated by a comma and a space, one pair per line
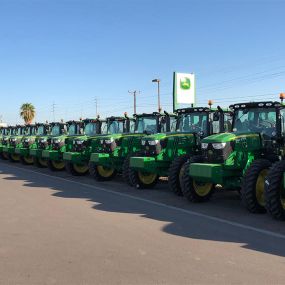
201, 150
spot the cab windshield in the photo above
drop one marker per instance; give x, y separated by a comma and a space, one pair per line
72, 130
41, 130
262, 120
17, 131
193, 122
55, 131
90, 129
146, 124
116, 127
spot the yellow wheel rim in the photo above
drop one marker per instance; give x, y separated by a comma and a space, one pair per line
259, 187
28, 159
58, 164
147, 178
43, 162
5, 155
202, 189
105, 171
15, 157
80, 168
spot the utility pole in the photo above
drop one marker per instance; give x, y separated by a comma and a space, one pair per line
134, 93
53, 111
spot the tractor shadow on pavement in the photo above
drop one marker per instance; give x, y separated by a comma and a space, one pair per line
118, 198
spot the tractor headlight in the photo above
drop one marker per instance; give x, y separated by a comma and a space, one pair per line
155, 142
26, 140
204, 145
143, 142
43, 140
56, 140
219, 145
109, 141
79, 142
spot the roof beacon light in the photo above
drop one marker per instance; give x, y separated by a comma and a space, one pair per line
282, 97
210, 103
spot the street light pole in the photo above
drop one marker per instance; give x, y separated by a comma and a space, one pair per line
158, 93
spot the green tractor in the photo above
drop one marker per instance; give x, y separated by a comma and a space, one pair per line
238, 160
164, 154
15, 135
77, 156
43, 142
30, 141
114, 155
58, 144
4, 137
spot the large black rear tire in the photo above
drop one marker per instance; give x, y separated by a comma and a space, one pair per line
176, 171
252, 190
126, 171
275, 199
193, 190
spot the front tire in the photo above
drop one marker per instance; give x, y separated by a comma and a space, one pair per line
193, 190
142, 180
27, 160
176, 171
14, 157
252, 190
274, 191
101, 173
56, 165
39, 162
76, 169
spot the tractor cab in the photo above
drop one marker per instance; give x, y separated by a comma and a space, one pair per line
153, 123
117, 127
16, 134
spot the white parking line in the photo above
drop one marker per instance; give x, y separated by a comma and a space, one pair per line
242, 226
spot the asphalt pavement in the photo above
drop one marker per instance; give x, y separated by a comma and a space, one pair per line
60, 229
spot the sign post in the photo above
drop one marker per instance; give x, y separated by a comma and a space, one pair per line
183, 89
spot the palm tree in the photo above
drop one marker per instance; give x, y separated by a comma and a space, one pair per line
27, 112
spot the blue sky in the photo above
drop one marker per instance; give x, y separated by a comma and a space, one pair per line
69, 52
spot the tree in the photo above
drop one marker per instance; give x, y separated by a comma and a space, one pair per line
27, 112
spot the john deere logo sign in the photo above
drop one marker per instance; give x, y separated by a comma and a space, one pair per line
184, 89
185, 83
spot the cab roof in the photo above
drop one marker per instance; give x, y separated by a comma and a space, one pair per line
153, 114
261, 104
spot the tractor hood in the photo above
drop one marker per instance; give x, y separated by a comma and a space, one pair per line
162, 136
251, 141
223, 137
112, 136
